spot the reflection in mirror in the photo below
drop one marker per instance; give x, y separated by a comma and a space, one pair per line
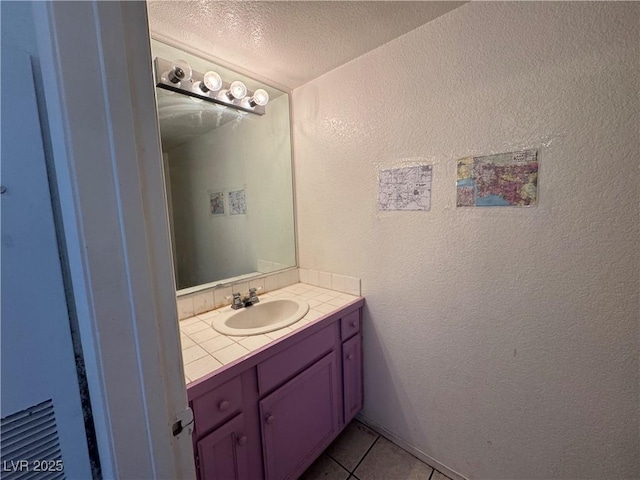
228, 180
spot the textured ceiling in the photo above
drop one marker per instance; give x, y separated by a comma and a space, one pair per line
288, 43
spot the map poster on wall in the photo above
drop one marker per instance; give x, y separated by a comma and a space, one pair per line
216, 203
504, 179
405, 188
237, 203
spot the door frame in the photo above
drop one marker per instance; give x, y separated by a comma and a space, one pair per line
105, 150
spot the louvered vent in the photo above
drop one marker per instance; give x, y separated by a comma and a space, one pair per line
29, 442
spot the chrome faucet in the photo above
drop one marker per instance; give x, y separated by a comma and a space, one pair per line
239, 302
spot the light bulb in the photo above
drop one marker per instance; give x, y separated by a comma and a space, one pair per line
180, 71
212, 81
200, 88
260, 97
237, 90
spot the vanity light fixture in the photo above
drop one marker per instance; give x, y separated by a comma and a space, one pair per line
179, 77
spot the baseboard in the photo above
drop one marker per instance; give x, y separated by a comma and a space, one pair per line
416, 452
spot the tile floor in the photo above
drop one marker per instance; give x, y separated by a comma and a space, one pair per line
360, 453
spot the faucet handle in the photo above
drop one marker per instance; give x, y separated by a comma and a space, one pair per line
237, 301
253, 294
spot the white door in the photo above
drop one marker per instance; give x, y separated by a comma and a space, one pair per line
94, 65
42, 417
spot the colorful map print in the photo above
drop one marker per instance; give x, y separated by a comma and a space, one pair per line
216, 203
505, 179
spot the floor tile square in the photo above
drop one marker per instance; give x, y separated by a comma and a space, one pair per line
326, 469
438, 476
386, 460
352, 444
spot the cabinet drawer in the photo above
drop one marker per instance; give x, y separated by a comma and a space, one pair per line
218, 405
350, 324
284, 365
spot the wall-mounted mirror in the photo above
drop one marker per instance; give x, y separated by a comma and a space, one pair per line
229, 182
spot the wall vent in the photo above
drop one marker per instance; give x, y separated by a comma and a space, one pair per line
29, 444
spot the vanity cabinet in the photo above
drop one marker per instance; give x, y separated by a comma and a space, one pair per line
270, 415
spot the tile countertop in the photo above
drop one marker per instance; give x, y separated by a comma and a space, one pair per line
204, 350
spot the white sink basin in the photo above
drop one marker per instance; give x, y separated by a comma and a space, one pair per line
266, 316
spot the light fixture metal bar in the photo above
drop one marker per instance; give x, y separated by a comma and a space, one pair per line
161, 65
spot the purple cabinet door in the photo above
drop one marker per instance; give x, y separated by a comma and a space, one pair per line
300, 419
223, 455
352, 376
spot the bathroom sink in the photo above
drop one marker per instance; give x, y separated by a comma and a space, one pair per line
266, 316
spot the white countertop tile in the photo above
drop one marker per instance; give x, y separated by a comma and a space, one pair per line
202, 336
204, 350
231, 353
201, 367
217, 343
190, 354
195, 327
255, 341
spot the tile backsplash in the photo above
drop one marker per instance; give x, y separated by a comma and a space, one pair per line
216, 297
332, 281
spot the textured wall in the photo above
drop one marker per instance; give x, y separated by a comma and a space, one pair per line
501, 342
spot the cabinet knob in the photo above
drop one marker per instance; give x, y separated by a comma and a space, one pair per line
270, 419
352, 324
223, 405
242, 440
350, 356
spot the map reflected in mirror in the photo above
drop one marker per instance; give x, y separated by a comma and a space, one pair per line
228, 181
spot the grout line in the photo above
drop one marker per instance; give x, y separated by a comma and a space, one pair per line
365, 455
341, 466
338, 462
432, 472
